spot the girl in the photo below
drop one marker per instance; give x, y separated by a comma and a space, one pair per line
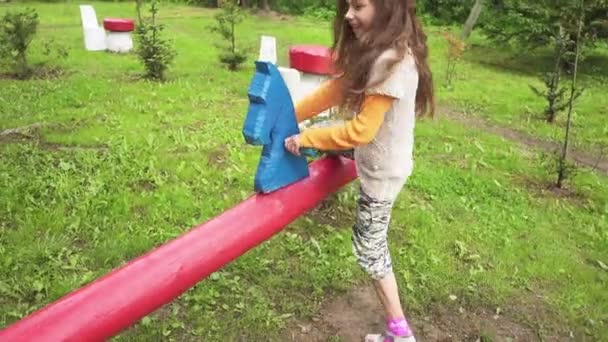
384, 80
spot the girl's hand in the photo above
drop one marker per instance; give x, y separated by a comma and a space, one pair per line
292, 144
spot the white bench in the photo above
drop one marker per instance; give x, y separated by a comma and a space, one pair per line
94, 35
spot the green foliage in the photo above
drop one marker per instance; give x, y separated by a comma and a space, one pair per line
533, 24
322, 13
446, 11
203, 3
554, 92
226, 22
455, 51
560, 24
302, 6
233, 59
17, 30
322, 9
155, 52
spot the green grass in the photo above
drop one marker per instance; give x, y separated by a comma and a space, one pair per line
494, 83
473, 221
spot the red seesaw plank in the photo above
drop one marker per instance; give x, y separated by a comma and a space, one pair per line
117, 300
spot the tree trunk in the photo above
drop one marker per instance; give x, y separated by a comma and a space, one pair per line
472, 19
265, 5
561, 174
138, 9
232, 39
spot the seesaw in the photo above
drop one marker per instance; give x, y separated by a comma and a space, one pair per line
286, 187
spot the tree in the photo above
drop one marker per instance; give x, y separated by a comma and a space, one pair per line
265, 5
554, 92
155, 52
446, 11
17, 30
562, 171
548, 23
455, 51
539, 23
227, 20
472, 19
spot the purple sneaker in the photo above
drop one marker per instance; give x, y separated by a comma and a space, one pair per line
397, 330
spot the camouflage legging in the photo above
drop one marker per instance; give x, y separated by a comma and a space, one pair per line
369, 236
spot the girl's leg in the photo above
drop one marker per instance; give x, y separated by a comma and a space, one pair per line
388, 293
370, 246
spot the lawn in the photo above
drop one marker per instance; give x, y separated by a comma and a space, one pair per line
494, 83
119, 165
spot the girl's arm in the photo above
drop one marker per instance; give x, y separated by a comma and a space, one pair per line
359, 131
327, 95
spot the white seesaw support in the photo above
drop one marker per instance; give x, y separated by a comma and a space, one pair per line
94, 35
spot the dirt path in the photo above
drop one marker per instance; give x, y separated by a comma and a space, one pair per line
598, 162
351, 316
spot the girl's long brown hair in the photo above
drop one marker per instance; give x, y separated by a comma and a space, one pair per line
396, 26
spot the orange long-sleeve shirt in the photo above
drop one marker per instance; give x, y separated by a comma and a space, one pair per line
358, 131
